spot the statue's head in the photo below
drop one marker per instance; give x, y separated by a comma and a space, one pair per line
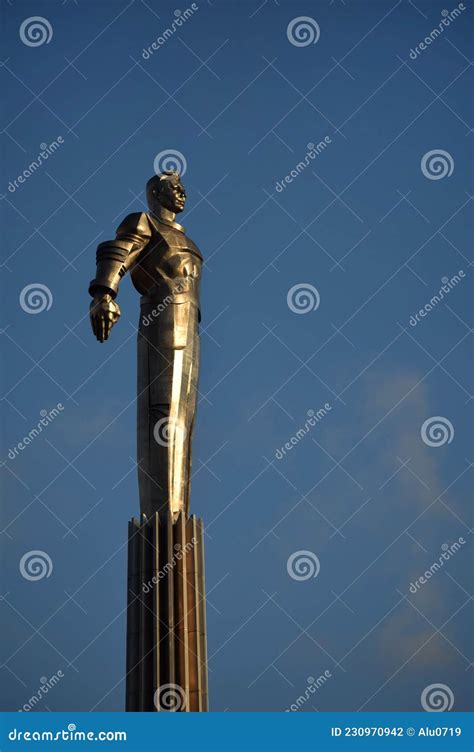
166, 190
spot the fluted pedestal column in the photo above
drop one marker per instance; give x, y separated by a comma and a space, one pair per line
166, 616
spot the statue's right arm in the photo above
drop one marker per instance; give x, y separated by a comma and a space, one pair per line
114, 258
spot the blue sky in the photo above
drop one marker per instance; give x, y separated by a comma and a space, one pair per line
368, 223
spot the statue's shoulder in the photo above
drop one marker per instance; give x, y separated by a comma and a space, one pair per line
135, 224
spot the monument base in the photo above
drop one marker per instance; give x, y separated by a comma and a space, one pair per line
166, 616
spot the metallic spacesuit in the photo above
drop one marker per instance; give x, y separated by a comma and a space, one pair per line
165, 267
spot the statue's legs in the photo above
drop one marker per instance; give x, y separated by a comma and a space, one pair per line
192, 404
167, 388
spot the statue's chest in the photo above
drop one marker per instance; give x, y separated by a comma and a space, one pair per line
169, 256
174, 254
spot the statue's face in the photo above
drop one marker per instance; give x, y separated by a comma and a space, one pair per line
172, 196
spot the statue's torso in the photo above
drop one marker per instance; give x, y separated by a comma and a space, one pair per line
170, 264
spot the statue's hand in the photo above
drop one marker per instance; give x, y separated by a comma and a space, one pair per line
104, 313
